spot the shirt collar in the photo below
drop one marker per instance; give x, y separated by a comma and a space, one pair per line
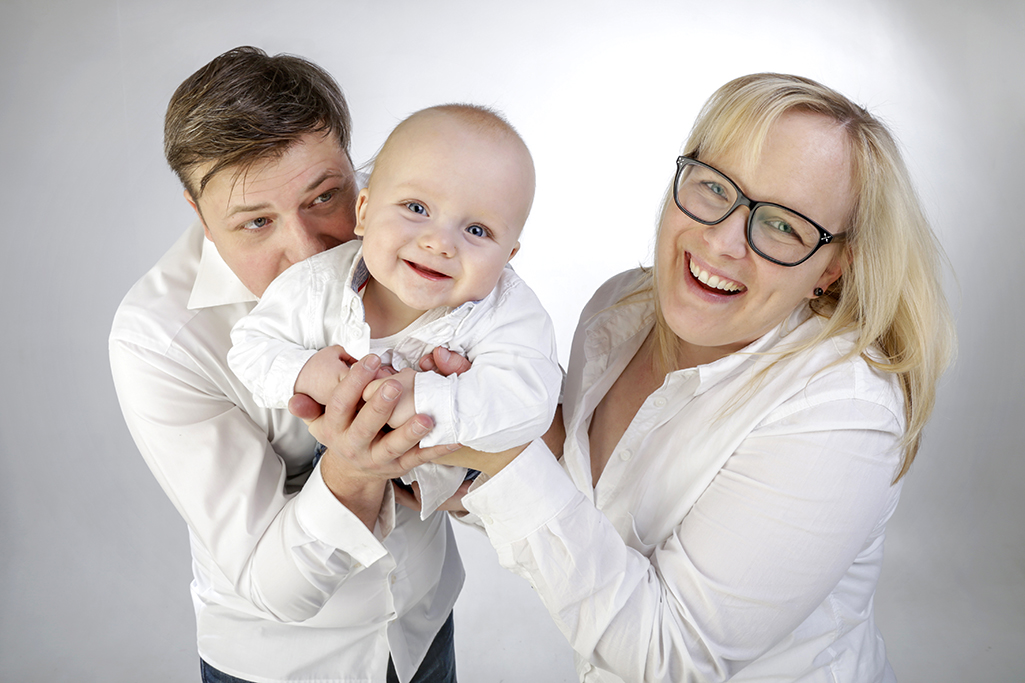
716, 371
216, 284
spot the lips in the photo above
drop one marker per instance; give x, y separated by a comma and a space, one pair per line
425, 272
714, 282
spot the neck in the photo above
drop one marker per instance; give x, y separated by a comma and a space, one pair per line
687, 355
386, 313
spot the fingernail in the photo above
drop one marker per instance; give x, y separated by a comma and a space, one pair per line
454, 447
420, 428
390, 391
443, 352
371, 362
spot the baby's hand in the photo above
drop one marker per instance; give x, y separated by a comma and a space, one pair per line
405, 408
322, 373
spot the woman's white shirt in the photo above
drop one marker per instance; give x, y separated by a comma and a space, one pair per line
737, 529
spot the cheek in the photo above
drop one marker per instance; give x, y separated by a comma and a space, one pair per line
337, 227
257, 269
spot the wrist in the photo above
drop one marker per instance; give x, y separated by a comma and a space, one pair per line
361, 493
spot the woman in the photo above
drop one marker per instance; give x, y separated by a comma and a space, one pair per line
739, 417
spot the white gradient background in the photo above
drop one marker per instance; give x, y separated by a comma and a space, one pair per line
94, 562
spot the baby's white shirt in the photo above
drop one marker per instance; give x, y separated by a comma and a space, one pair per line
506, 399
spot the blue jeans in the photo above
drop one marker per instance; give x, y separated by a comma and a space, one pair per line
439, 665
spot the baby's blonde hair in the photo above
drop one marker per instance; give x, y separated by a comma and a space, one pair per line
889, 290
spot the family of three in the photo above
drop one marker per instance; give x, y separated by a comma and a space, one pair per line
702, 497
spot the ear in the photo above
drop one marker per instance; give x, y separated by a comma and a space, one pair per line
361, 211
832, 272
195, 207
515, 250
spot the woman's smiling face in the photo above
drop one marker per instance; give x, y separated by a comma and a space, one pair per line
716, 293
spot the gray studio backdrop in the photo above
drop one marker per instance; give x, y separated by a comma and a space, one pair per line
94, 566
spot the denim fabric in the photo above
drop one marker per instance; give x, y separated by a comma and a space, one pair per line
439, 665
212, 675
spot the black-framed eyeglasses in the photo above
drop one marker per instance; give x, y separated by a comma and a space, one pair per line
774, 232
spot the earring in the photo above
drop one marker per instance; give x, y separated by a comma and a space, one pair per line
818, 291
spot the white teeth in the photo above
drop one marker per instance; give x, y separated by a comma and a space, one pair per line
713, 281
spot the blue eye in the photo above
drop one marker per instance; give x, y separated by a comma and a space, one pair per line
416, 207
256, 223
781, 226
477, 231
716, 188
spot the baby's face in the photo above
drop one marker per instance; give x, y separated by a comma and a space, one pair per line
443, 211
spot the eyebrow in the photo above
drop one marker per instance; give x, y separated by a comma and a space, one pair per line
248, 208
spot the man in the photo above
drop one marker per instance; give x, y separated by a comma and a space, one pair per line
303, 570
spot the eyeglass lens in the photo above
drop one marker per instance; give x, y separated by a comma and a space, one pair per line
779, 233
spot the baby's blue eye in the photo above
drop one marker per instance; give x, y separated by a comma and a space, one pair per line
416, 207
477, 231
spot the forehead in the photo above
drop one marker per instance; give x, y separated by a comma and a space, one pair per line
311, 159
490, 170
804, 163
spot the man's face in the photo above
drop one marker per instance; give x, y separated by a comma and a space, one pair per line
281, 210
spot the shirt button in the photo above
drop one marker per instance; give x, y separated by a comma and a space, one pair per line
487, 519
392, 579
625, 455
660, 402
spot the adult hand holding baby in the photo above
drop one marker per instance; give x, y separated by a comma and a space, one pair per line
360, 459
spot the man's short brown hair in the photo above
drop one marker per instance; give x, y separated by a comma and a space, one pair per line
245, 106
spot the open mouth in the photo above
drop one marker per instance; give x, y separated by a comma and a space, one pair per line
714, 283
425, 272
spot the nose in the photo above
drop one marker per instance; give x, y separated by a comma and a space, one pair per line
438, 239
729, 237
303, 240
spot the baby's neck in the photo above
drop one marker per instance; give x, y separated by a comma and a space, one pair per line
386, 314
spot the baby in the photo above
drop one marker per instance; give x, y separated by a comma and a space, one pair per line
440, 218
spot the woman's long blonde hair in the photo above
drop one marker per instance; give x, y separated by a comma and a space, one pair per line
889, 289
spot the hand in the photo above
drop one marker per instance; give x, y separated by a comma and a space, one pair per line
322, 373
359, 459
308, 409
444, 362
413, 501
405, 407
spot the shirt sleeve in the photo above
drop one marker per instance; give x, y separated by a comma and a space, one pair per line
272, 344
508, 396
284, 554
763, 546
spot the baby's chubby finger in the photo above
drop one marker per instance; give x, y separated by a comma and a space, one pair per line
342, 408
373, 388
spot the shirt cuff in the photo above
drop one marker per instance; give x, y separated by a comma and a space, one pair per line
325, 518
432, 395
524, 496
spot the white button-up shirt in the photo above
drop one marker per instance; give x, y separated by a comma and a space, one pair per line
505, 399
736, 531
289, 584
